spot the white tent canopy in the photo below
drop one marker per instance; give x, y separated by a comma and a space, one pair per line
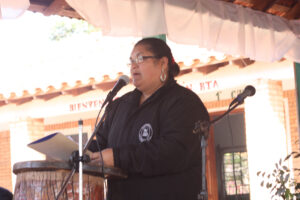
212, 24
12, 8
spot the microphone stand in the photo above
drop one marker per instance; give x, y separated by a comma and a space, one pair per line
80, 125
75, 158
203, 136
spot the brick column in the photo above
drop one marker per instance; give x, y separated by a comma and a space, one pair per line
293, 125
265, 133
5, 163
23, 132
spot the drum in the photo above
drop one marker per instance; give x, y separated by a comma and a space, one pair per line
44, 179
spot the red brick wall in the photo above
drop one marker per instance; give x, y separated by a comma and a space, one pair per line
35, 128
292, 105
67, 125
5, 161
217, 104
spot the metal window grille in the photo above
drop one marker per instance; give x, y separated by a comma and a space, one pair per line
236, 176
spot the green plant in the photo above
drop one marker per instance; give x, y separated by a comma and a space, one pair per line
279, 181
67, 27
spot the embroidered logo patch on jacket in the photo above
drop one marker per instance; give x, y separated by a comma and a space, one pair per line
145, 133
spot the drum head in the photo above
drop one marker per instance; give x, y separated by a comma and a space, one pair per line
91, 169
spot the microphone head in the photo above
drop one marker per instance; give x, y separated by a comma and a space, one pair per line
125, 78
250, 90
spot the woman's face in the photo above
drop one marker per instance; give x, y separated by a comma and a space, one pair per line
146, 74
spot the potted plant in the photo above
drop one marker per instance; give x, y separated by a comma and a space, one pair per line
279, 181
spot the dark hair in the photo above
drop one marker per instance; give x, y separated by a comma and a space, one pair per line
160, 49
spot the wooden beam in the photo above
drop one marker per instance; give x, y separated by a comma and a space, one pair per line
294, 12
278, 9
262, 5
245, 3
243, 62
59, 7
212, 67
55, 7
41, 2
37, 8
69, 13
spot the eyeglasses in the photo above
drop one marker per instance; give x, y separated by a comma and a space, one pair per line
139, 59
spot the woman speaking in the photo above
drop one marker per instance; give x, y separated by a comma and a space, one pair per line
150, 131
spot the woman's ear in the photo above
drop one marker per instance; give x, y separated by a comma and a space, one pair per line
165, 62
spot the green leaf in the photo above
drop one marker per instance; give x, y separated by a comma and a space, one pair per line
258, 173
285, 168
288, 194
278, 192
273, 188
286, 178
288, 156
277, 180
269, 185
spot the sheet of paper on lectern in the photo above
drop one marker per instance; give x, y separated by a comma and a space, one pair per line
56, 146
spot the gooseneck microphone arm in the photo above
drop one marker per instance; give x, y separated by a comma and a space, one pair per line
248, 91
223, 115
123, 80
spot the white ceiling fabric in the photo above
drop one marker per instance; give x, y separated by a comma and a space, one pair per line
211, 24
13, 8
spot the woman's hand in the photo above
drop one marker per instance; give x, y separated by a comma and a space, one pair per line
108, 157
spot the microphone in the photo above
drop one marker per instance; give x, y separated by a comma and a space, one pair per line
123, 80
248, 91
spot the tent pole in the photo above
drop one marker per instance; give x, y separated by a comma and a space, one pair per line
161, 36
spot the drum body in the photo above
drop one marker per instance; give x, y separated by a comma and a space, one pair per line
43, 180
36, 185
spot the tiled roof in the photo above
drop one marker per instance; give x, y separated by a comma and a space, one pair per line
106, 83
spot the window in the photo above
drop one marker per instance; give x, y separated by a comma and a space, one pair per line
235, 172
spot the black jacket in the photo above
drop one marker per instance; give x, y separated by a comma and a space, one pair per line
155, 144
5, 194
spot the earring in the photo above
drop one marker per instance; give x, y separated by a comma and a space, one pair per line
163, 76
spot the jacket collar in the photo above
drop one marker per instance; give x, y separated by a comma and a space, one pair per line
158, 93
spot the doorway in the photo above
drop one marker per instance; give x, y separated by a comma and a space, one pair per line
231, 157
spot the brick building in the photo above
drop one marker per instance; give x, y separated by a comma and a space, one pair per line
261, 131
